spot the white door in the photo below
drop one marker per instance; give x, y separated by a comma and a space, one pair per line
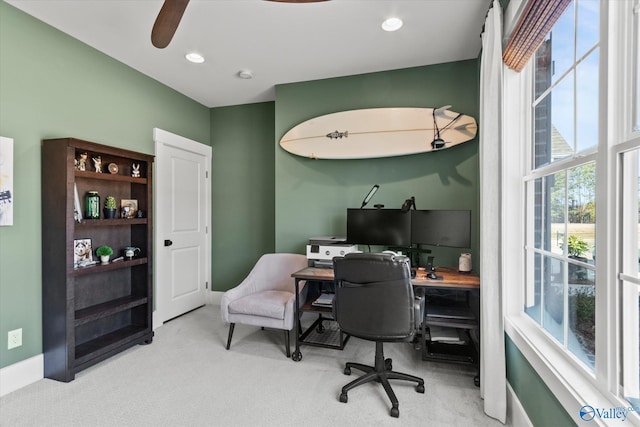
183, 242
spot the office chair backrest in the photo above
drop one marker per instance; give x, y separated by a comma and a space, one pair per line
374, 297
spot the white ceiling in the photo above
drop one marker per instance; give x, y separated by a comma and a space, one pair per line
277, 42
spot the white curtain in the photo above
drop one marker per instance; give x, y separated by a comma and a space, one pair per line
493, 380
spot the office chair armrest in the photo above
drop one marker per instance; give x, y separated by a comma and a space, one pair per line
419, 308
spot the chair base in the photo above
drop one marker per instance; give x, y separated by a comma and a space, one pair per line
286, 338
381, 373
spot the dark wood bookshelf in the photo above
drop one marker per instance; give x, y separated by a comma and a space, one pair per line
106, 176
107, 308
105, 344
92, 313
97, 268
110, 222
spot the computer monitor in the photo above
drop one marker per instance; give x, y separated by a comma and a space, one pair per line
441, 228
388, 227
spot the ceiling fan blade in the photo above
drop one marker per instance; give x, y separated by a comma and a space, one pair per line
167, 22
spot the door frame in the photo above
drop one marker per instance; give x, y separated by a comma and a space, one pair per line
162, 138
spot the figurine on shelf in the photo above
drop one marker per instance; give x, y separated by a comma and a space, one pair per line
97, 163
135, 172
81, 164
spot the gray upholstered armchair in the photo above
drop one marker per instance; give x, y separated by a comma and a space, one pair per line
266, 297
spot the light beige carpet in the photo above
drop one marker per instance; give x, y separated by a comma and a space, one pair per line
187, 378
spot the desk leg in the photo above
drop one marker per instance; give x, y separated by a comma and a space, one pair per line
297, 355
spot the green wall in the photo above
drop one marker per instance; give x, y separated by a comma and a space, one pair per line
542, 408
243, 190
52, 85
264, 199
312, 196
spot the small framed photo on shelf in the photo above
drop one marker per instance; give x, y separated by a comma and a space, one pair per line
129, 208
82, 253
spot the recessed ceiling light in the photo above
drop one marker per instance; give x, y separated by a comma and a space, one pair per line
392, 24
245, 74
195, 57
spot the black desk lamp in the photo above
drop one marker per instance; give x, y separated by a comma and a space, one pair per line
370, 195
408, 204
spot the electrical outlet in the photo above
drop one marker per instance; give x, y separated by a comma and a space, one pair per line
14, 338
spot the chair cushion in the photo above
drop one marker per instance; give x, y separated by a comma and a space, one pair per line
265, 304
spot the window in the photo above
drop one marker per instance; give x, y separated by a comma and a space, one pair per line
561, 186
630, 273
577, 315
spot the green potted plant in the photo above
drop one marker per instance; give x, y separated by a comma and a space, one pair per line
104, 252
577, 247
110, 207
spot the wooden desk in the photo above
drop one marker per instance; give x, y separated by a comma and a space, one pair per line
442, 351
319, 275
314, 273
451, 279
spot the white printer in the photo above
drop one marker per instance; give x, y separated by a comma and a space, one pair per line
321, 250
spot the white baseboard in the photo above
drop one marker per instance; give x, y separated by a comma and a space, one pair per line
155, 318
516, 415
214, 297
21, 374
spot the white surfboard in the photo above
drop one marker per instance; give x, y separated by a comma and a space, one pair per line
379, 132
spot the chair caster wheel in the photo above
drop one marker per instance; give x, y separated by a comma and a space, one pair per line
296, 356
420, 388
395, 412
476, 380
388, 364
343, 397
347, 371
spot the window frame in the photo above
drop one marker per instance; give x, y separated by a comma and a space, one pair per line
575, 160
570, 383
628, 284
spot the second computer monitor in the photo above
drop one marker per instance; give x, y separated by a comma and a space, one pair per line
441, 228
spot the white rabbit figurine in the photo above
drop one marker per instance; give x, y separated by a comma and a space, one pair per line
136, 170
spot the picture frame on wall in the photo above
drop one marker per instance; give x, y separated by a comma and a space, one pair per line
6, 181
128, 208
82, 253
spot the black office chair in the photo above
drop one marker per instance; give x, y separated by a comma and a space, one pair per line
374, 301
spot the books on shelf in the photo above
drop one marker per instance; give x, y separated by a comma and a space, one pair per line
324, 300
447, 335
